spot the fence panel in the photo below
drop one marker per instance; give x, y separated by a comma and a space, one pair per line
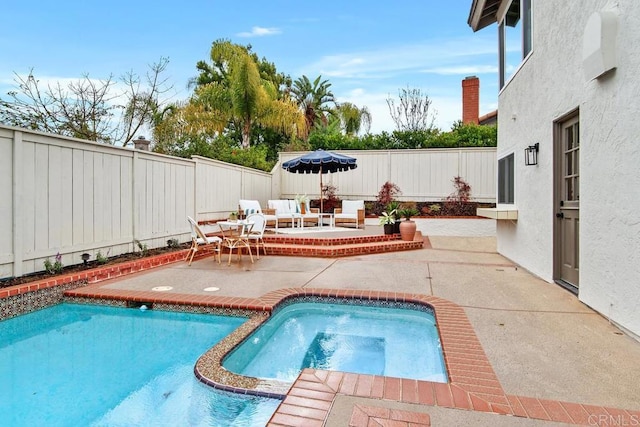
6, 202
219, 187
422, 175
159, 181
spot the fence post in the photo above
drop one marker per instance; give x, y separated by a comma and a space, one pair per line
196, 188
134, 199
17, 203
388, 166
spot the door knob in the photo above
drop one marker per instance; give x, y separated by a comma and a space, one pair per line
560, 215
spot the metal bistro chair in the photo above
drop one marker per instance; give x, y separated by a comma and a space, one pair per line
257, 231
199, 238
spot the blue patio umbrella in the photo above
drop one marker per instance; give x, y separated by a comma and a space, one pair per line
320, 162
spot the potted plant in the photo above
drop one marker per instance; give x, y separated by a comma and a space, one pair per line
407, 227
391, 208
387, 221
302, 202
233, 216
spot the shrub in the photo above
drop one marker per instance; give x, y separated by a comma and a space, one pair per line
55, 267
386, 195
458, 203
144, 250
431, 209
101, 259
330, 200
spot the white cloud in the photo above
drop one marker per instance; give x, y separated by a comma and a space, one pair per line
463, 70
260, 32
393, 60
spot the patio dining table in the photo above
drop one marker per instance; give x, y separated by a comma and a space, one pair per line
235, 235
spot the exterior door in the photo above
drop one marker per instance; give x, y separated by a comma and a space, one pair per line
567, 257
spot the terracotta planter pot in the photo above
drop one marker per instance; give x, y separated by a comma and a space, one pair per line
407, 230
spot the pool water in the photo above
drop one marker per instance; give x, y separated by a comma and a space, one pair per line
396, 342
80, 365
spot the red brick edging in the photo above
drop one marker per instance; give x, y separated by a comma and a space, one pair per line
98, 274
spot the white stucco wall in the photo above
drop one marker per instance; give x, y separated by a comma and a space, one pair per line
550, 84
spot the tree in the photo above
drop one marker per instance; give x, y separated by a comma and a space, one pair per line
109, 111
218, 69
412, 113
352, 118
237, 97
314, 99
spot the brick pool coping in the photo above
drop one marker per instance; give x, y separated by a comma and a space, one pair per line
473, 383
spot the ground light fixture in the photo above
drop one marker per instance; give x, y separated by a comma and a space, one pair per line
85, 257
531, 154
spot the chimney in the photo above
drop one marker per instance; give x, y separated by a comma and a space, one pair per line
470, 99
141, 143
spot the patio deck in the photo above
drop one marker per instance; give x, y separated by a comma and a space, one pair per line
543, 357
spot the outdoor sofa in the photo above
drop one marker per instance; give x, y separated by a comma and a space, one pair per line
288, 211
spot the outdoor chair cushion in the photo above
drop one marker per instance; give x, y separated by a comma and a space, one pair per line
249, 207
283, 207
285, 210
352, 211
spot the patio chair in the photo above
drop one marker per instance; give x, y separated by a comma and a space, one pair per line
198, 238
352, 211
257, 232
248, 207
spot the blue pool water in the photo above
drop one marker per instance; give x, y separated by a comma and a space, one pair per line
396, 342
77, 365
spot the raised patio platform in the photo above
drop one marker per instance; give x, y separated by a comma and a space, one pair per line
340, 246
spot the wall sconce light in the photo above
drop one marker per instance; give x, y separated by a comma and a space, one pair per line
531, 154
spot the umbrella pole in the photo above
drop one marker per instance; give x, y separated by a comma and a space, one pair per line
321, 198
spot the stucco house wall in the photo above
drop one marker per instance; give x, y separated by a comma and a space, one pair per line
549, 84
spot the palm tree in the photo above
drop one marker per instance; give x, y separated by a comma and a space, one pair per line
243, 98
314, 99
353, 119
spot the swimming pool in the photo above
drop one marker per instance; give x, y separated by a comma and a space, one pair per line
368, 339
95, 365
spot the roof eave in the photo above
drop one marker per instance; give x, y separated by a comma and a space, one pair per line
480, 15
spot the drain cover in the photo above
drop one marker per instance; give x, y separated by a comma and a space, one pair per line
162, 288
211, 289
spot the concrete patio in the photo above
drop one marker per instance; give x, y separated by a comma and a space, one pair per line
540, 340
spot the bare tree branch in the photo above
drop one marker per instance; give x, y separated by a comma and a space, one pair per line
412, 113
87, 108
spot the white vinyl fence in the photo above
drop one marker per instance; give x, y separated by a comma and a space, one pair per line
69, 196
422, 175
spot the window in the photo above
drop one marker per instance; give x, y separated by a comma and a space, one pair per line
505, 179
514, 37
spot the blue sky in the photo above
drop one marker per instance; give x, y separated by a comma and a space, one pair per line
367, 50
